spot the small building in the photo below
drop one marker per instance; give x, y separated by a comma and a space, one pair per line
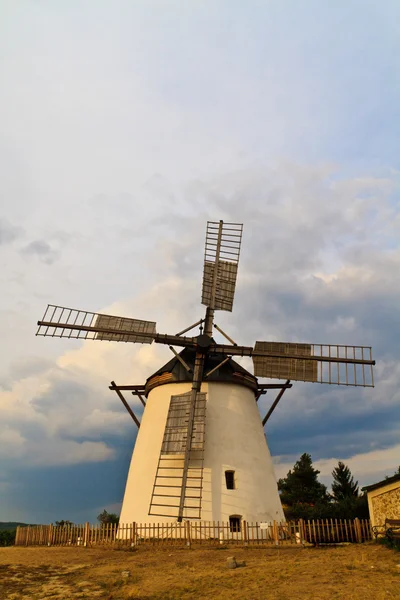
384, 500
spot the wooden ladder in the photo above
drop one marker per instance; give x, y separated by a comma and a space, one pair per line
168, 480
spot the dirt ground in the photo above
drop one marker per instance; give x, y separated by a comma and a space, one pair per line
351, 572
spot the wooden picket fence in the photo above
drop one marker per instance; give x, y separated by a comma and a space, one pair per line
327, 531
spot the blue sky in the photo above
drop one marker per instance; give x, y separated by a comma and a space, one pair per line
124, 127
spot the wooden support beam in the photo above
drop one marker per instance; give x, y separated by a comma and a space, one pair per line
218, 366
260, 393
263, 388
279, 396
124, 402
199, 322
183, 363
133, 388
225, 335
142, 400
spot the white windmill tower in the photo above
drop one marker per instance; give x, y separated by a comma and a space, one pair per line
201, 452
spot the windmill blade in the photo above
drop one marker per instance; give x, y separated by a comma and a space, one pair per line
221, 259
319, 363
175, 433
277, 367
59, 321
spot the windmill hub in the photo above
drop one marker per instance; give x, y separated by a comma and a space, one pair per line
204, 341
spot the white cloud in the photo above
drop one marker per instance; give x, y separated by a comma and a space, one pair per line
50, 451
49, 401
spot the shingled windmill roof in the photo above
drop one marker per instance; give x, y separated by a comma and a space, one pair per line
174, 372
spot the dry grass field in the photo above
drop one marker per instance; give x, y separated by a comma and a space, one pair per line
351, 572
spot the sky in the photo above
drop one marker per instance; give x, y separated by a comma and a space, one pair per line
125, 126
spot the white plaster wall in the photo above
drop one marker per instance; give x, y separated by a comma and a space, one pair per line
234, 441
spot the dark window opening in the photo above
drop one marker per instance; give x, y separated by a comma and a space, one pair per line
234, 523
230, 480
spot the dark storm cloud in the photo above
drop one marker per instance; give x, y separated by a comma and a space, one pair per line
77, 493
42, 250
8, 232
332, 429
61, 393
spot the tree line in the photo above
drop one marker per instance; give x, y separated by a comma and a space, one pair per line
104, 518
304, 497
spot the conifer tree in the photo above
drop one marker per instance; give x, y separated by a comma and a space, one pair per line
343, 485
301, 484
106, 517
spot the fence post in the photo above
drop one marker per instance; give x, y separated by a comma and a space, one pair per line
133, 534
369, 529
86, 533
301, 532
357, 528
50, 534
28, 529
245, 536
187, 534
275, 533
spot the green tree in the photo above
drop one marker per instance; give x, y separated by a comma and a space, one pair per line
343, 485
106, 517
64, 523
7, 537
301, 485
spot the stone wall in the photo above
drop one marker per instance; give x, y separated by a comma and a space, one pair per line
386, 506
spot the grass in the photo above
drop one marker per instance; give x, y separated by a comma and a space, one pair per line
394, 544
354, 572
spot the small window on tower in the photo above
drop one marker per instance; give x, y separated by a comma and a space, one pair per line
234, 523
230, 480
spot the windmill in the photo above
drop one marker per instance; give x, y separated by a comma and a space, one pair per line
177, 471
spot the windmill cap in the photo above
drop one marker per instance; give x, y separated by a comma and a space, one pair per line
174, 371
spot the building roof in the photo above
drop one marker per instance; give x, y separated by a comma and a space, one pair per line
387, 481
174, 372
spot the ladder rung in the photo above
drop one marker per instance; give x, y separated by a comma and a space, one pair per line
191, 487
179, 468
165, 505
172, 454
174, 496
166, 496
170, 468
171, 457
164, 457
170, 516
175, 477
